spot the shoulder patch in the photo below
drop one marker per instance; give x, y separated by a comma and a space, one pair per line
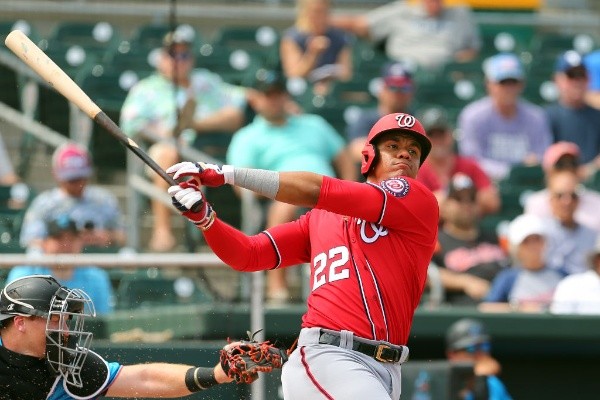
397, 187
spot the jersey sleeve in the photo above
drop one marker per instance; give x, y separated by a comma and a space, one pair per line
399, 203
280, 246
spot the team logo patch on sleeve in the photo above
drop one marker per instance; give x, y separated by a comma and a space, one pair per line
397, 187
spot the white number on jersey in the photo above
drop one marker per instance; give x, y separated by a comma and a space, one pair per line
330, 267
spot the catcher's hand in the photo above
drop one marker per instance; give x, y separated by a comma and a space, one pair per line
244, 359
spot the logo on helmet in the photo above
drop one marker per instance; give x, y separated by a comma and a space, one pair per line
397, 187
405, 120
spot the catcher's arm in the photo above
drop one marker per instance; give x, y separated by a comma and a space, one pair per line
243, 360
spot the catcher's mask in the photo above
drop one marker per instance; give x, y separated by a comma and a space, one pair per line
401, 122
64, 309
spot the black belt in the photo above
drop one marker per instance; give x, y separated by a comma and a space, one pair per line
383, 352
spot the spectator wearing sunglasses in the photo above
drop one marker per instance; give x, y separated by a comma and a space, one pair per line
571, 118
502, 129
94, 209
565, 156
179, 104
467, 340
569, 242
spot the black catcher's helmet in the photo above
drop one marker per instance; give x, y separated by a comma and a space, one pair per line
30, 295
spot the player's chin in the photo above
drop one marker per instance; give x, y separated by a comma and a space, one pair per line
403, 170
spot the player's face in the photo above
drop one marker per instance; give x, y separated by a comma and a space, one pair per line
399, 155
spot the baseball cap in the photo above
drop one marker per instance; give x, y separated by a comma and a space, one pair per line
434, 118
60, 225
178, 36
503, 66
557, 150
397, 77
71, 161
523, 226
461, 186
570, 61
269, 80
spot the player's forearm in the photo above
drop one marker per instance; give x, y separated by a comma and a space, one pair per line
252, 253
164, 380
297, 188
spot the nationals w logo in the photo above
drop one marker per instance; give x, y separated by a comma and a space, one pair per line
405, 120
375, 233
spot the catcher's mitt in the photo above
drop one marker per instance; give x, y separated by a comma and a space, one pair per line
244, 359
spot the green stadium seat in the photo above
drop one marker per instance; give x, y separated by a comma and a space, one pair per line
14, 200
594, 182
97, 38
235, 66
151, 36
524, 177
550, 44
367, 60
505, 38
149, 288
262, 40
10, 81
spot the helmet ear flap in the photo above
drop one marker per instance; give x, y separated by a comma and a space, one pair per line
368, 158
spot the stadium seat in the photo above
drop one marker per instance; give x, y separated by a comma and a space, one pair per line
10, 81
97, 38
235, 66
498, 38
149, 288
550, 44
524, 177
151, 36
262, 40
14, 200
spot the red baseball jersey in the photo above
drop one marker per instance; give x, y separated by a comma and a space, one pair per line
369, 247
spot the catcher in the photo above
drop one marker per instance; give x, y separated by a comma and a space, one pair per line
45, 352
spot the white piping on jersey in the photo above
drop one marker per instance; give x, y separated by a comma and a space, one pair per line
380, 300
274, 248
360, 284
364, 299
383, 207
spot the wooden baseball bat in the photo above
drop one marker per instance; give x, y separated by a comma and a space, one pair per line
35, 58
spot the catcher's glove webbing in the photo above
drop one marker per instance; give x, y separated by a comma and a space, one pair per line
243, 360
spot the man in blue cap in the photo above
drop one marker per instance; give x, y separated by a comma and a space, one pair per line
571, 118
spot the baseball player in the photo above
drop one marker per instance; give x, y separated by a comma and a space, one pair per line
45, 352
369, 245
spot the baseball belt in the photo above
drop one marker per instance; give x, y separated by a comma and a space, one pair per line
380, 351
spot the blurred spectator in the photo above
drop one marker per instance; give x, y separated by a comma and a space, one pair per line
469, 260
95, 210
278, 141
313, 49
63, 237
568, 241
426, 33
528, 285
580, 293
501, 129
444, 163
7, 173
559, 157
468, 340
592, 63
571, 118
181, 103
395, 95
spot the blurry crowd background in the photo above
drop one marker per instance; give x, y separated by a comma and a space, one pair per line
481, 187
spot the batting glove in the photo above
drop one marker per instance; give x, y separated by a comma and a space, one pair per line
208, 174
189, 201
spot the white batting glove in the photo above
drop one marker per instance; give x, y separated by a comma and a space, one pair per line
190, 202
207, 174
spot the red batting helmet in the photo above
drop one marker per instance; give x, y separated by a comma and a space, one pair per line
394, 122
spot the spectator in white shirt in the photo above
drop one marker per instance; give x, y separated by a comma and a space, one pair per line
580, 293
